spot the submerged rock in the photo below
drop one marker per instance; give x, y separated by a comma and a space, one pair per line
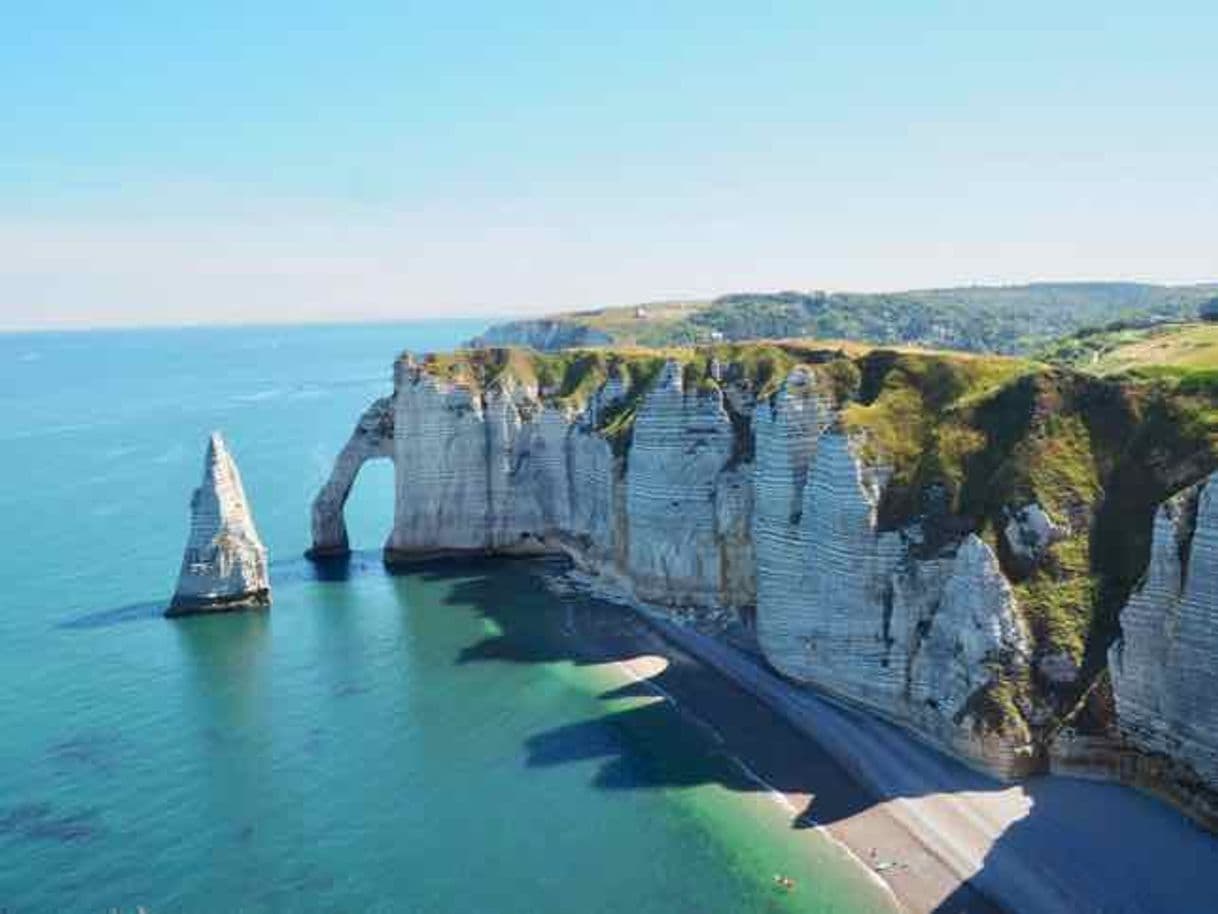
224, 565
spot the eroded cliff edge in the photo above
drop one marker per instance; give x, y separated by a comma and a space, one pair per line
953, 542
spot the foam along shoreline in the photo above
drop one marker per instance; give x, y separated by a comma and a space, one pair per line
789, 802
813, 789
946, 839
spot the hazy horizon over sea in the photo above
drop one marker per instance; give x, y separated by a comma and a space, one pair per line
374, 742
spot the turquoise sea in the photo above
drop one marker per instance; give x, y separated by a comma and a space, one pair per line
412, 743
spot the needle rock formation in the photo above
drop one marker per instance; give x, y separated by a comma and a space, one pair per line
224, 565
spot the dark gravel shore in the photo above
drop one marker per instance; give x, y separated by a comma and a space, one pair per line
945, 838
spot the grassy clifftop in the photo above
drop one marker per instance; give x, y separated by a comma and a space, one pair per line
568, 378
1002, 319
1098, 454
1161, 350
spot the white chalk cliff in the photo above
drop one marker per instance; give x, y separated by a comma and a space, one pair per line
724, 509
1165, 665
871, 616
224, 566
695, 515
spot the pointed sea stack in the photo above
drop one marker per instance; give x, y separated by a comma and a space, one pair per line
224, 565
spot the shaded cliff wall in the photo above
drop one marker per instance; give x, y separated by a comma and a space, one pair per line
675, 468
1164, 667
542, 334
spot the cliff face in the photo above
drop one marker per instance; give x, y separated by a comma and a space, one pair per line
909, 533
224, 563
1165, 665
541, 334
501, 471
913, 633
677, 485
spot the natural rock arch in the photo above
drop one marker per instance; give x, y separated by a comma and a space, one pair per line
372, 439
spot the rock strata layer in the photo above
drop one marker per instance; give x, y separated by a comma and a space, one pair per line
1165, 665
224, 566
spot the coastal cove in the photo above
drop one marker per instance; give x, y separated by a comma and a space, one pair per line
613, 459
900, 532
432, 741
466, 734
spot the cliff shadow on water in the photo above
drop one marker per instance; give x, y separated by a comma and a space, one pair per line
707, 730
703, 730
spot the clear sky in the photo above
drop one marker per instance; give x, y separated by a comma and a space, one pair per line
181, 162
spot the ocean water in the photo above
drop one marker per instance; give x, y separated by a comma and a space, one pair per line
416, 743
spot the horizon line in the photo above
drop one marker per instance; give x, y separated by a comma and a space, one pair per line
372, 319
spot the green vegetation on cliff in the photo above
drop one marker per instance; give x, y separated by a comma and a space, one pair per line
967, 444
966, 440
568, 378
999, 319
972, 439
1162, 349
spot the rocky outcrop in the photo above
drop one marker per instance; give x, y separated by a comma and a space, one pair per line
224, 565
676, 470
542, 334
488, 468
1165, 665
501, 471
1029, 532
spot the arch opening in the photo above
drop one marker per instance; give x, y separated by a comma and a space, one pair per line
372, 439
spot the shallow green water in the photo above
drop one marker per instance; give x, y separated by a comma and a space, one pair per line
374, 743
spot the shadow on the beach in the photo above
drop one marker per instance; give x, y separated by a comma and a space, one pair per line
1074, 841
694, 733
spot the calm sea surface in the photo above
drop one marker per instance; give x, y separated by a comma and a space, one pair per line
374, 743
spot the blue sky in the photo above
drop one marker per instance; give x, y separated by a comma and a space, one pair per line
219, 162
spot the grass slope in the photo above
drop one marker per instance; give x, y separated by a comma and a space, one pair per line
1000, 319
1157, 349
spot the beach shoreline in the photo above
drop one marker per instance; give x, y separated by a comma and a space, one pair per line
813, 787
792, 803
943, 837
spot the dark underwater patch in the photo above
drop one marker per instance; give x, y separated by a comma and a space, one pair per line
42, 822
